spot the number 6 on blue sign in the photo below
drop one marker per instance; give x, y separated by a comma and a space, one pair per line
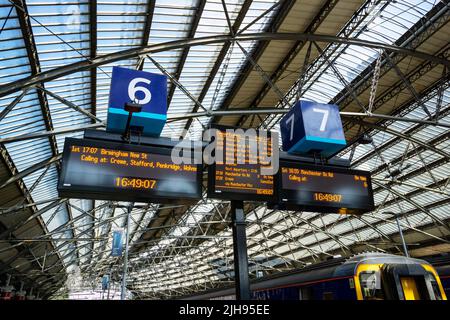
311, 127
132, 89
145, 88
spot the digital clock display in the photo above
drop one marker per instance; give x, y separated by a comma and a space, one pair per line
329, 197
136, 183
324, 188
124, 172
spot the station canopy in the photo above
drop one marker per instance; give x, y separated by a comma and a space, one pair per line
234, 62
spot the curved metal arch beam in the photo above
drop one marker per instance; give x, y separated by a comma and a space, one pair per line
172, 45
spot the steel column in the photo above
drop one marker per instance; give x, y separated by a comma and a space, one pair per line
242, 282
405, 248
125, 258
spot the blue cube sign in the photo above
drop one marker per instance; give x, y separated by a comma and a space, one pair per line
311, 127
145, 88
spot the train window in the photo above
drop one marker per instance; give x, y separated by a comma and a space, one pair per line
435, 287
328, 296
371, 285
305, 293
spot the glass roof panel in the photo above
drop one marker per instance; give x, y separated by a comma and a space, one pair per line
61, 31
120, 26
386, 24
275, 238
14, 64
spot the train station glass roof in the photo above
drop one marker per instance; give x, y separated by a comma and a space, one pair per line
384, 63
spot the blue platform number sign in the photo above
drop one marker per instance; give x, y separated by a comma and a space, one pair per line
117, 244
311, 127
145, 88
105, 282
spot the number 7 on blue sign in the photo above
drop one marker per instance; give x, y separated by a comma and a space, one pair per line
322, 124
311, 127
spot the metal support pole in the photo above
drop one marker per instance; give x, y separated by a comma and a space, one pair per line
405, 249
240, 251
125, 258
126, 133
45, 258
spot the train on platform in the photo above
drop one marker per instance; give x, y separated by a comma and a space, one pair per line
367, 276
444, 274
442, 265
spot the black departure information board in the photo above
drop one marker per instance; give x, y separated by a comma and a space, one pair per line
326, 189
124, 172
236, 177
